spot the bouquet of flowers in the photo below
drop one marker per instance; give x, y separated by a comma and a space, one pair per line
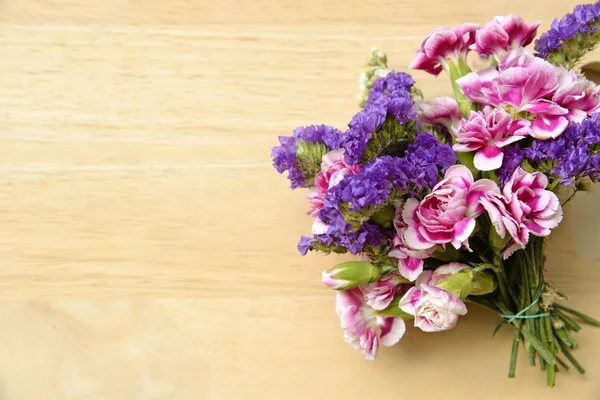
449, 203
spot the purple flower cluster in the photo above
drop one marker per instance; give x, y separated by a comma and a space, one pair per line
574, 153
355, 242
425, 160
397, 105
389, 85
579, 21
420, 168
284, 156
513, 156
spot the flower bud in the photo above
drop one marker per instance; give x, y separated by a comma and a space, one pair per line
350, 274
460, 280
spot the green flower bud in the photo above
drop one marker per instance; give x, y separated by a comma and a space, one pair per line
350, 274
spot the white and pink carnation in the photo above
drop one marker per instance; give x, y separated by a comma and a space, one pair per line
380, 294
502, 34
443, 110
444, 44
523, 207
434, 308
447, 214
487, 132
410, 261
363, 329
525, 83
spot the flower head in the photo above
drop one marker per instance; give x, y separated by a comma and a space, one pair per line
434, 308
525, 207
301, 153
443, 110
526, 83
363, 329
502, 34
410, 261
444, 44
447, 214
380, 294
487, 132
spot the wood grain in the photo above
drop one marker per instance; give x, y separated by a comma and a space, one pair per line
147, 246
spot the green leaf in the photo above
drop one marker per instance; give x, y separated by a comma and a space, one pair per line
498, 327
393, 310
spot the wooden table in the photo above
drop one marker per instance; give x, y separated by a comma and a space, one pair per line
148, 247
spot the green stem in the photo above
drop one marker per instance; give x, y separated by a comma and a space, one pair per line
570, 197
572, 359
550, 375
515, 349
457, 69
541, 349
584, 317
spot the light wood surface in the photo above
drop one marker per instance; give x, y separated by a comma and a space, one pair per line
148, 247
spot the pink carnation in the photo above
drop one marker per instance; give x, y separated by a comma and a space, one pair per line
523, 207
487, 132
443, 110
380, 294
502, 34
447, 214
362, 327
443, 44
410, 261
434, 308
525, 83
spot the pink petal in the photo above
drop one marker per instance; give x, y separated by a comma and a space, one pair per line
512, 247
408, 301
465, 148
495, 217
423, 324
409, 211
508, 140
544, 127
410, 268
392, 330
463, 229
480, 189
544, 107
414, 239
454, 303
488, 158
423, 279
472, 84
331, 157
459, 171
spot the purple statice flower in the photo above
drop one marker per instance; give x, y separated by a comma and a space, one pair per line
305, 244
429, 159
353, 242
573, 154
285, 156
580, 21
389, 85
397, 105
513, 156
420, 168
319, 133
